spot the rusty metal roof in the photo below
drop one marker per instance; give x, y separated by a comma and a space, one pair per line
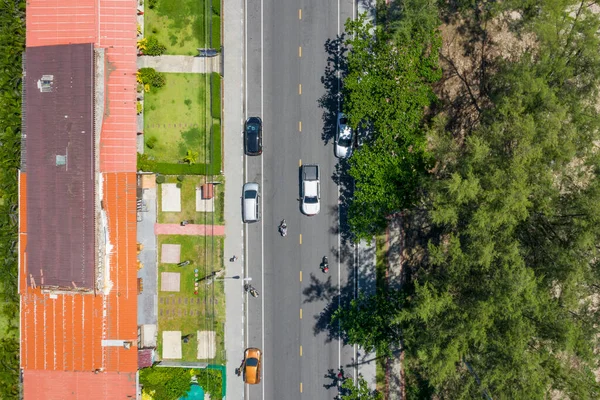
60, 165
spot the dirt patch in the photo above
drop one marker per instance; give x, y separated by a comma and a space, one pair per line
469, 54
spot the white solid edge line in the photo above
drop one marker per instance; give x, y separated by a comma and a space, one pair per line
262, 181
245, 392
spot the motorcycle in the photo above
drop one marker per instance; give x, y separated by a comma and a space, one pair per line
283, 228
325, 265
250, 289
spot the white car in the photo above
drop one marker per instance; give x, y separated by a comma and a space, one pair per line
343, 137
311, 190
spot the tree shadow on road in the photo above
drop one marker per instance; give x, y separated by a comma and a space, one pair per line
335, 71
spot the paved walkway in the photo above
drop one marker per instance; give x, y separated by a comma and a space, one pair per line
181, 64
395, 240
189, 229
232, 13
147, 312
367, 284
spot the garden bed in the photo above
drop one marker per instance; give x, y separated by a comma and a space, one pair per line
191, 310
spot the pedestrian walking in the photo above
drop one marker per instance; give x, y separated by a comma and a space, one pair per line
233, 259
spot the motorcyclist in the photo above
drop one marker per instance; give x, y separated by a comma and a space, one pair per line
283, 228
325, 264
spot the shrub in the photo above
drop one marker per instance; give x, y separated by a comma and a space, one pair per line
151, 142
211, 381
154, 47
215, 95
180, 178
160, 179
178, 185
149, 76
152, 3
139, 107
140, 87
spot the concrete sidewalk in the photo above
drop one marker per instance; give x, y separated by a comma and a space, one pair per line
181, 64
189, 229
367, 284
395, 241
232, 14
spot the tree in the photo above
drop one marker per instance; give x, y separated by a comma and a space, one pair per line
387, 87
370, 321
502, 301
361, 391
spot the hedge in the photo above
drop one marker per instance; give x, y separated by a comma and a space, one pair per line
215, 151
216, 7
215, 38
215, 95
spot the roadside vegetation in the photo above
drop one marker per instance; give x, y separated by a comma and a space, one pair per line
484, 129
160, 383
12, 38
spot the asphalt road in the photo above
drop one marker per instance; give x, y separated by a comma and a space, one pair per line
289, 85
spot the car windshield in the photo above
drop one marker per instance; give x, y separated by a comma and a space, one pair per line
311, 200
252, 128
344, 141
250, 194
252, 362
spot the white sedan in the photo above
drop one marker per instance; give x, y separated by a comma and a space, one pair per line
343, 137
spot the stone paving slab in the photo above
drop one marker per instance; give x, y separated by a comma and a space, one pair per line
204, 205
170, 281
171, 344
170, 253
181, 64
207, 345
171, 197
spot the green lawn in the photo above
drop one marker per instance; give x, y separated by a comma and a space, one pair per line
183, 25
178, 116
186, 311
188, 202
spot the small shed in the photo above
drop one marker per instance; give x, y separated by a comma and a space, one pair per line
208, 191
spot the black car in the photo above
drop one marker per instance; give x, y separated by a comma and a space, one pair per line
253, 136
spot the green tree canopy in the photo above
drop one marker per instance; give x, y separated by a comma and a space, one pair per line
503, 300
386, 90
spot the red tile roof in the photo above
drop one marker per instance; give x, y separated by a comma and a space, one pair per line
60, 385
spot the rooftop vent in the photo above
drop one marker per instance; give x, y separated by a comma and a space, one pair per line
45, 84
61, 160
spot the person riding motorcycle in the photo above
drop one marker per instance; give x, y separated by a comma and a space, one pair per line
283, 228
325, 264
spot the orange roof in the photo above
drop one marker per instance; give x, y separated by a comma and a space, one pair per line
52, 385
52, 22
